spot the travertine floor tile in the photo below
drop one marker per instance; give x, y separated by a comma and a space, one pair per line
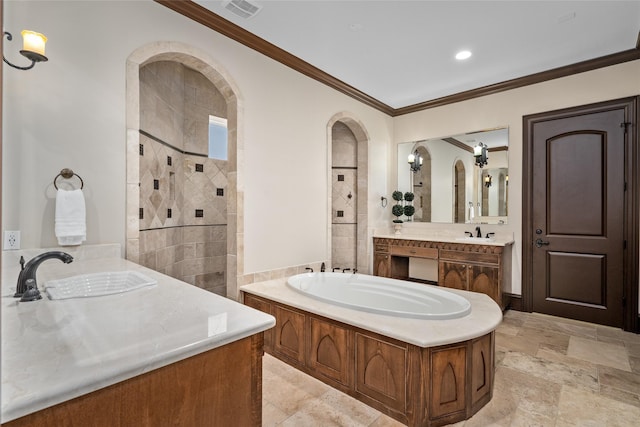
582, 408
559, 373
623, 380
602, 353
333, 409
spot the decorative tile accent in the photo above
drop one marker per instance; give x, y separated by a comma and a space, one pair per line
340, 177
156, 184
169, 160
199, 167
169, 213
199, 213
219, 191
141, 150
340, 214
141, 213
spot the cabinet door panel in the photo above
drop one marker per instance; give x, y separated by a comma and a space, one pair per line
448, 379
266, 307
330, 350
381, 371
289, 335
485, 280
381, 265
482, 368
453, 275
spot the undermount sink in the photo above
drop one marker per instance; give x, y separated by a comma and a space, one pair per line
475, 239
97, 284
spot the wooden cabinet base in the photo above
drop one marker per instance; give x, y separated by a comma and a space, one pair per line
221, 387
417, 386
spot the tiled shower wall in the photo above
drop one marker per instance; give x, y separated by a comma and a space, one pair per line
344, 212
183, 209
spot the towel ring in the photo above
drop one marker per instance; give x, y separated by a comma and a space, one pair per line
67, 174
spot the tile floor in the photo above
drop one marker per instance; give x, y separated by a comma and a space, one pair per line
550, 372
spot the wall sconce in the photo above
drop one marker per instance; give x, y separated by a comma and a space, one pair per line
415, 161
506, 180
32, 48
480, 153
487, 181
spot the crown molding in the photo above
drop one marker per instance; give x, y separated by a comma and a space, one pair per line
217, 23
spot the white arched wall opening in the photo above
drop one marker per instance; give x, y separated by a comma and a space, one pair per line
362, 139
207, 66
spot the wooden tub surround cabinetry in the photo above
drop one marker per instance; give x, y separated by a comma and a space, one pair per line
418, 386
472, 267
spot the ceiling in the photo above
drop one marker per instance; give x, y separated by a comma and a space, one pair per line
401, 53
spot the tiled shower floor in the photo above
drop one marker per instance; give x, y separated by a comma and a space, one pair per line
550, 372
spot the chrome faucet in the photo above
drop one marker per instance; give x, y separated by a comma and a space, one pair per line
478, 232
28, 271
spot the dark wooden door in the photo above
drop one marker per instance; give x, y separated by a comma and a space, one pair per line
578, 215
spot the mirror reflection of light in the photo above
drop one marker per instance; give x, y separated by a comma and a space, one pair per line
217, 324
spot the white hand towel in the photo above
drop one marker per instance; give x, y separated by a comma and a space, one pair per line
70, 221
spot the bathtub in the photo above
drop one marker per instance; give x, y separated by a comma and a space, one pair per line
382, 295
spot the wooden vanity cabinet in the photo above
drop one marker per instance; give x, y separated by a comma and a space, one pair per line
469, 267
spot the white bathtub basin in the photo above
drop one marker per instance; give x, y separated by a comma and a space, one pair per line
97, 284
381, 295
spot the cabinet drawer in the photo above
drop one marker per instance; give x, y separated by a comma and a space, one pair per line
411, 251
470, 257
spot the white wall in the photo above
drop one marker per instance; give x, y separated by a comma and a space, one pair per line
507, 109
70, 112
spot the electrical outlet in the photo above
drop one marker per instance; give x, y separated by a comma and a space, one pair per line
11, 240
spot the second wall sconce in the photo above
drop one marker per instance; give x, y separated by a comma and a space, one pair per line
415, 161
487, 181
32, 48
480, 153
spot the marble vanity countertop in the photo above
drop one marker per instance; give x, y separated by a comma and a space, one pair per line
448, 238
485, 316
56, 350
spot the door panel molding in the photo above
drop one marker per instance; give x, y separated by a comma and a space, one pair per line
631, 319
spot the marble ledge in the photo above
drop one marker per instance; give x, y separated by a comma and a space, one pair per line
500, 239
77, 346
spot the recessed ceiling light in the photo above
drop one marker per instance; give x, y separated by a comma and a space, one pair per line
356, 27
463, 54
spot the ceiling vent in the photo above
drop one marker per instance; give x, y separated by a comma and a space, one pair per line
242, 8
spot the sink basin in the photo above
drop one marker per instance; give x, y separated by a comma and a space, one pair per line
97, 284
475, 239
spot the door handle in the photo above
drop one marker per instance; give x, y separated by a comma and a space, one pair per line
540, 243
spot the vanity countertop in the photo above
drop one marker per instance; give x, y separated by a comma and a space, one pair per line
448, 238
485, 316
56, 350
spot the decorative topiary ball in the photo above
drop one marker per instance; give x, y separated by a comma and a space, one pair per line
409, 210
397, 210
408, 196
397, 195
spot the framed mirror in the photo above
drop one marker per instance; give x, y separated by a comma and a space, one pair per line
461, 178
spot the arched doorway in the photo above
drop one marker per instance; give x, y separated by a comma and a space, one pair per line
348, 244
200, 62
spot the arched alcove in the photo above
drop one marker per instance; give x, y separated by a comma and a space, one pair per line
346, 131
199, 61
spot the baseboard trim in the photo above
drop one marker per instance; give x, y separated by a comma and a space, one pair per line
512, 301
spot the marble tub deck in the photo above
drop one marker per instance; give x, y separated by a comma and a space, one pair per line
550, 372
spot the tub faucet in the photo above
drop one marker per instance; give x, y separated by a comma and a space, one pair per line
322, 268
346, 269
29, 270
309, 269
478, 232
489, 235
469, 233
335, 269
